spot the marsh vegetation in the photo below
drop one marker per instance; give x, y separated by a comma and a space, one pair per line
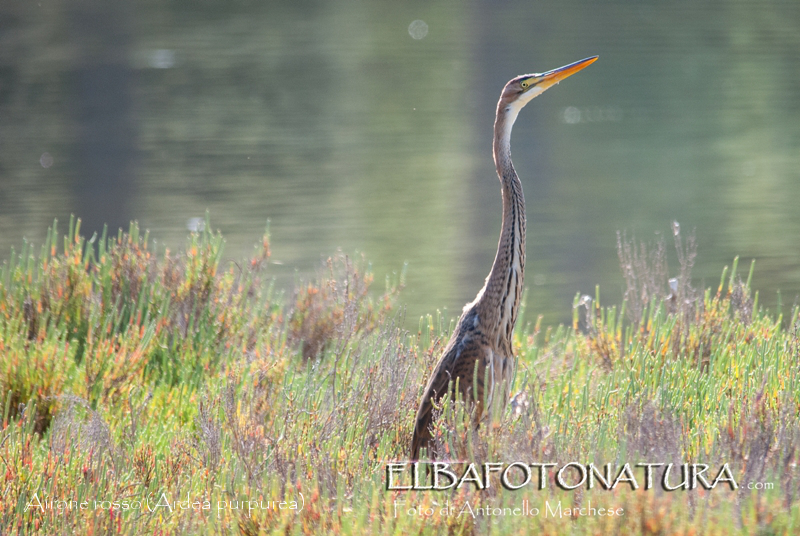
132, 375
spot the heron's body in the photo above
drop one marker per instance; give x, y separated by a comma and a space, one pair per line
479, 357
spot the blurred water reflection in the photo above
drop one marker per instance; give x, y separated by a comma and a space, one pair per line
367, 127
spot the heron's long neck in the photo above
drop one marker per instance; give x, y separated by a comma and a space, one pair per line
501, 294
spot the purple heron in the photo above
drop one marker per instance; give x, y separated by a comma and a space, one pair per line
478, 361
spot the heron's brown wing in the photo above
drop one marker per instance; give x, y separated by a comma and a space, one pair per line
457, 364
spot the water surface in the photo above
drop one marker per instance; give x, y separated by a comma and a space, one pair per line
351, 126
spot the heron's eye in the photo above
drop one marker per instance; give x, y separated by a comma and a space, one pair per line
524, 84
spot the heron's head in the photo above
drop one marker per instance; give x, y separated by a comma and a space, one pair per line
522, 89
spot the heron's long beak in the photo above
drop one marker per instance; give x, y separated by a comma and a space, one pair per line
551, 78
